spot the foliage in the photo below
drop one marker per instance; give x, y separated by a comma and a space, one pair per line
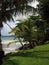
23, 28
26, 31
34, 28
8, 8
43, 9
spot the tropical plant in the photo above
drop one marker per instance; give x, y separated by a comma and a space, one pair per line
8, 8
26, 31
41, 28
43, 10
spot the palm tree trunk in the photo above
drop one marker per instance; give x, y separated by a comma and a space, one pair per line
18, 38
20, 42
31, 44
1, 50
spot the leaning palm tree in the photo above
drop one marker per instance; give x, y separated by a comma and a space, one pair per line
25, 30
32, 29
8, 8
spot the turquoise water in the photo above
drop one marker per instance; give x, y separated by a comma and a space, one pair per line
6, 39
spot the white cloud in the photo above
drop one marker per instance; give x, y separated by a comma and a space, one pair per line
34, 4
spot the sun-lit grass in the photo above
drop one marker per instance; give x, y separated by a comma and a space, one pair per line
37, 56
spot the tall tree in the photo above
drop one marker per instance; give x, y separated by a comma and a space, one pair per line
8, 8
32, 28
26, 31
43, 9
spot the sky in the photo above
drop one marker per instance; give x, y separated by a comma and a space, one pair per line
5, 30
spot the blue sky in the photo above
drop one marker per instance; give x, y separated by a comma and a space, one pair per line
6, 29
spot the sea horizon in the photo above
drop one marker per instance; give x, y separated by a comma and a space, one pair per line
7, 35
7, 39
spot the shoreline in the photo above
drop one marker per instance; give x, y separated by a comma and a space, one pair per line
11, 48
14, 47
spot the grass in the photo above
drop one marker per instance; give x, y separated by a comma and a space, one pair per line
37, 56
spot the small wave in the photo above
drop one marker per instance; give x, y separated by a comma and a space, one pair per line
10, 41
7, 41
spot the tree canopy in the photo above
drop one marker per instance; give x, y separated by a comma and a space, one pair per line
8, 8
43, 9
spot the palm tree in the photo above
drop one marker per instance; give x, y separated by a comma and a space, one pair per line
43, 9
41, 28
32, 28
8, 8
26, 31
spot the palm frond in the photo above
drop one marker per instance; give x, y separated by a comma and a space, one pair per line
9, 7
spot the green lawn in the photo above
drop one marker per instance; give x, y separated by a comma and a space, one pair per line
37, 56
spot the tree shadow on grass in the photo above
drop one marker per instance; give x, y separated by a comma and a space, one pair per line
10, 62
35, 54
32, 54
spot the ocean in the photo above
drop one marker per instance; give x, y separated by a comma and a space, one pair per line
12, 47
7, 39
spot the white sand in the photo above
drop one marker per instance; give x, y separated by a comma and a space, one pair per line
11, 48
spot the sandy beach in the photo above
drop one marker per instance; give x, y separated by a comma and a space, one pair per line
11, 48
14, 47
